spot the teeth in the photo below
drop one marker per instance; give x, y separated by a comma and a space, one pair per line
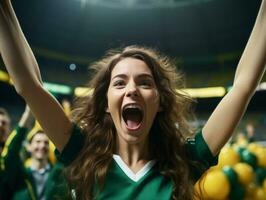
132, 106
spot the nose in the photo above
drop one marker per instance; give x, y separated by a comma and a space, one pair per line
43, 145
131, 90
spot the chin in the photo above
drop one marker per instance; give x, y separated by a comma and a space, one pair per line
134, 138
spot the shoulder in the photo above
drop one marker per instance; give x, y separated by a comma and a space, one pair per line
198, 148
73, 147
199, 155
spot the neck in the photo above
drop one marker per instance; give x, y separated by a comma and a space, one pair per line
134, 155
38, 164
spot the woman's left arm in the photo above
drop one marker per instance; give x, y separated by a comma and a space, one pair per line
249, 72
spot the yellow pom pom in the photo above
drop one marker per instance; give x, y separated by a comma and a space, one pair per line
242, 142
261, 156
228, 156
250, 190
216, 185
252, 147
264, 185
245, 173
260, 194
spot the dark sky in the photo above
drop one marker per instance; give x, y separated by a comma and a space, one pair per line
203, 29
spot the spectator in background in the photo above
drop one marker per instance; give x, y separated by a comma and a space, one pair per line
40, 179
250, 130
246, 136
241, 139
4, 127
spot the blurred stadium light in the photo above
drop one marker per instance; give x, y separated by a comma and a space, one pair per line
82, 91
262, 86
207, 92
58, 88
141, 3
4, 76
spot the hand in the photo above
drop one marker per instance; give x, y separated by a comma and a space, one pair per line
26, 118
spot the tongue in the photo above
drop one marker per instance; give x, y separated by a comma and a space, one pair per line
133, 121
131, 124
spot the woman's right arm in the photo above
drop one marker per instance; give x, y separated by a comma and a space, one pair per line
24, 71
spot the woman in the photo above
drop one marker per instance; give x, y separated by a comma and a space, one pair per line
129, 121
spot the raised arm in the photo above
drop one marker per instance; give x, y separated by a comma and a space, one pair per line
24, 71
250, 70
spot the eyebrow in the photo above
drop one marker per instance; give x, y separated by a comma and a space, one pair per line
143, 75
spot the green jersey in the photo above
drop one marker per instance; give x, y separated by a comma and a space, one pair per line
122, 183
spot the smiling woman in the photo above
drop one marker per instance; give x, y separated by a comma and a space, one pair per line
123, 142
132, 112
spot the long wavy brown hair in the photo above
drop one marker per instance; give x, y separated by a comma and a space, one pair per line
167, 134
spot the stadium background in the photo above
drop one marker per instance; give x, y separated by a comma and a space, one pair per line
206, 37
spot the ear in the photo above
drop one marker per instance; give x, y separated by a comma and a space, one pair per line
107, 110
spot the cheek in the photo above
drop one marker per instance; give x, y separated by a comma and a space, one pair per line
47, 148
157, 97
155, 100
114, 100
154, 97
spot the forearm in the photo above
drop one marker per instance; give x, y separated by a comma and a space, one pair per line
232, 107
23, 69
251, 66
15, 51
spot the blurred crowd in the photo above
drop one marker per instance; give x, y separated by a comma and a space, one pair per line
30, 170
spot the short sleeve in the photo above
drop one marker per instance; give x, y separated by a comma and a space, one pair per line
200, 155
72, 148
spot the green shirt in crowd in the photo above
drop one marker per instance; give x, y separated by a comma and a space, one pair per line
18, 182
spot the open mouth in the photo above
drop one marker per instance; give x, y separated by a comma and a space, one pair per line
132, 115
